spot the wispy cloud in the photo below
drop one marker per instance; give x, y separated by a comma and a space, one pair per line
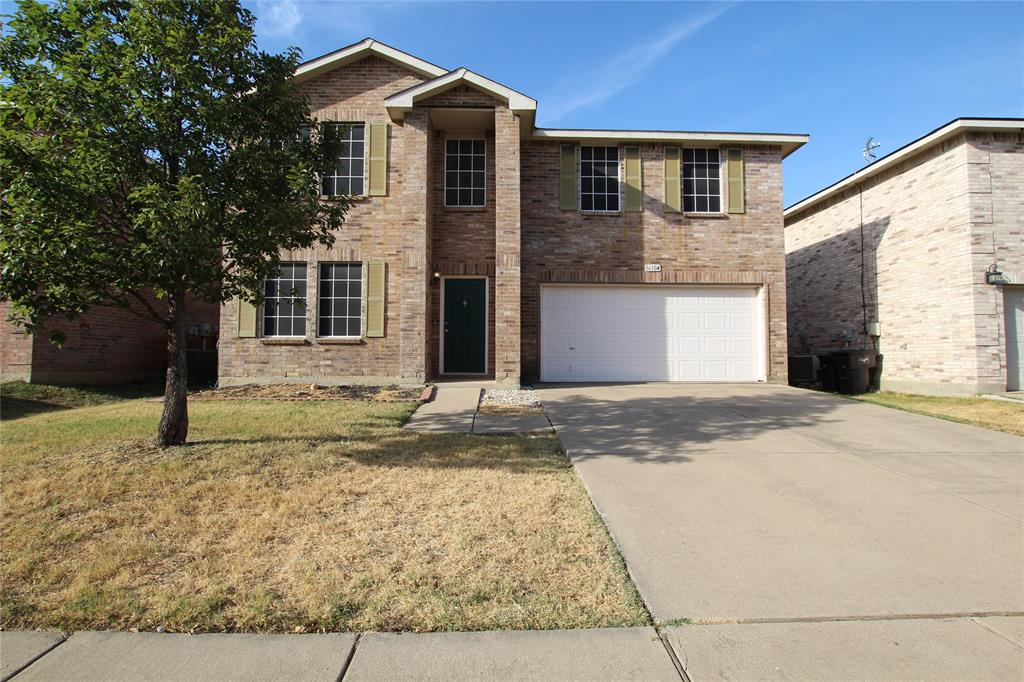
628, 67
278, 18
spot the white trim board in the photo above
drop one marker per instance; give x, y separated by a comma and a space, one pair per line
356, 51
933, 138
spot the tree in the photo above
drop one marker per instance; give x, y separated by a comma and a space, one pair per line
149, 148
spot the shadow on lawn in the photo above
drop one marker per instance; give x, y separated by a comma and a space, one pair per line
405, 449
20, 399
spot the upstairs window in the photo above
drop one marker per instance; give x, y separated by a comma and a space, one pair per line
599, 179
284, 304
346, 179
341, 299
702, 191
464, 174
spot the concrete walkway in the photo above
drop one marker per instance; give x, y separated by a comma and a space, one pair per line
610, 654
454, 410
985, 649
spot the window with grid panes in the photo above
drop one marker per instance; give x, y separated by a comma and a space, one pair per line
599, 178
464, 173
341, 299
284, 304
346, 178
702, 191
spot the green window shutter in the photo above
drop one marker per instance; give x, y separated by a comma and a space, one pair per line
634, 180
246, 319
734, 174
378, 159
567, 178
672, 198
375, 287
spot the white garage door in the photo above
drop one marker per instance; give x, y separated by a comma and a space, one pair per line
650, 333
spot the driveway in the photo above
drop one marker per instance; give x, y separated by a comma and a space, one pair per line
757, 503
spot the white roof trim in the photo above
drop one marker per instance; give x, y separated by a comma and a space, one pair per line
401, 102
361, 49
789, 142
931, 139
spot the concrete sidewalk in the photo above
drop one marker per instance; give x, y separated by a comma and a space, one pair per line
987, 649
611, 654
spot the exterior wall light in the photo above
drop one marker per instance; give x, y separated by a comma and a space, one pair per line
994, 276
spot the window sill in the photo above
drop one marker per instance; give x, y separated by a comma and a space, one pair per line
340, 341
600, 213
698, 214
338, 197
285, 341
466, 209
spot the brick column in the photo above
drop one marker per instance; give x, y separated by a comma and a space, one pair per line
412, 269
507, 234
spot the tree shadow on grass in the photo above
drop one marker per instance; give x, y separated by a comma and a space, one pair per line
404, 449
20, 399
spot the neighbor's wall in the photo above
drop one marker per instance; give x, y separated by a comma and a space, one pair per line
102, 346
996, 186
15, 348
918, 270
569, 246
376, 228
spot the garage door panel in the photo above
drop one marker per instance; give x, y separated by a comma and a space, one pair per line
649, 333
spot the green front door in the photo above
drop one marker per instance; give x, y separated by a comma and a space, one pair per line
465, 326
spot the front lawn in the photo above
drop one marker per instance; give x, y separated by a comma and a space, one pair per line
998, 415
296, 516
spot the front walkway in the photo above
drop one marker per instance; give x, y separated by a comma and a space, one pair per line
454, 409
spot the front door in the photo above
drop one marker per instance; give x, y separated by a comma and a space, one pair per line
464, 326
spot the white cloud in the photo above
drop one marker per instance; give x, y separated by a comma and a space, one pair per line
278, 17
629, 66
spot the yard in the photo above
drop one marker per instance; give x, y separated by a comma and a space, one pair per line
998, 415
293, 516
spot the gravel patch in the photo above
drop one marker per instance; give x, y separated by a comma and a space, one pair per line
502, 396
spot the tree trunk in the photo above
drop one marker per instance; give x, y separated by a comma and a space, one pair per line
174, 421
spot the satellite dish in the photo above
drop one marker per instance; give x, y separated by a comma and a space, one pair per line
869, 149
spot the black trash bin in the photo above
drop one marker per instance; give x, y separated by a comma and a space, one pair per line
852, 370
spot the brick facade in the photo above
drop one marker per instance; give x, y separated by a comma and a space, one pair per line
103, 346
517, 240
933, 223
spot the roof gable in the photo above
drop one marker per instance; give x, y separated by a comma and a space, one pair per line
401, 102
365, 48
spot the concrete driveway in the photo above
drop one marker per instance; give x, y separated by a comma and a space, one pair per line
763, 504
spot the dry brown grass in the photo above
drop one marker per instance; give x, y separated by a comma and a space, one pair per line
998, 415
296, 516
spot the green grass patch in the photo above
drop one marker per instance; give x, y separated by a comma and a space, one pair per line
998, 415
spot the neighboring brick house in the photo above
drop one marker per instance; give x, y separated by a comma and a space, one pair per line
480, 245
103, 346
925, 228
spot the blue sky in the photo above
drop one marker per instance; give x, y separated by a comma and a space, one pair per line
839, 71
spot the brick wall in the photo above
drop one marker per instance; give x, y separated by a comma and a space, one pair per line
567, 246
15, 348
103, 346
931, 225
374, 230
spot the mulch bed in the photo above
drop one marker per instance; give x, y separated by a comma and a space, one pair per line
387, 394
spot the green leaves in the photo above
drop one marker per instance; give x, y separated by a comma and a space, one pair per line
133, 143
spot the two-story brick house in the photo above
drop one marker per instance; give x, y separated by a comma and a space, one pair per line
920, 255
480, 245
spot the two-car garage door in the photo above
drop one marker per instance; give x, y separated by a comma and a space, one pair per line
651, 333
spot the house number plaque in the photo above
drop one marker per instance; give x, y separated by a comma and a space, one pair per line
652, 267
